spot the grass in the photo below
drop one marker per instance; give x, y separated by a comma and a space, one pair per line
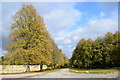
95, 71
44, 71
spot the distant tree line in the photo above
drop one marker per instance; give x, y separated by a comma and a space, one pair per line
101, 53
30, 42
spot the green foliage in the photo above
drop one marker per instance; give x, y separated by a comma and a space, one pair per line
94, 71
0, 60
103, 52
30, 42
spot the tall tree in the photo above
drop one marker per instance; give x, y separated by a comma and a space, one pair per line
30, 42
103, 52
115, 56
82, 55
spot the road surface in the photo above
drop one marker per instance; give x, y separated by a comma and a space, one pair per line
66, 74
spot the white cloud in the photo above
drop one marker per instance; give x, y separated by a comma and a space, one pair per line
2, 51
67, 41
102, 14
60, 47
96, 26
76, 38
59, 38
62, 18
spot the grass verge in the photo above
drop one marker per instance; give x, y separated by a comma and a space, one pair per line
95, 71
44, 71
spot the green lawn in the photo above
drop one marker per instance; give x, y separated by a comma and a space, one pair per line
47, 71
95, 71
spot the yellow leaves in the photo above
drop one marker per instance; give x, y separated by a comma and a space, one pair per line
30, 39
40, 19
41, 26
13, 26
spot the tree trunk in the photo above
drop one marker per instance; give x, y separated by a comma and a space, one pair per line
28, 68
54, 66
41, 67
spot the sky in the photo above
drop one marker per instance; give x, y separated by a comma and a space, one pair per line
67, 22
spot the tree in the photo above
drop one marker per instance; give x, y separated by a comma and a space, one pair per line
115, 52
1, 60
103, 52
82, 55
59, 58
55, 54
97, 52
30, 42
75, 59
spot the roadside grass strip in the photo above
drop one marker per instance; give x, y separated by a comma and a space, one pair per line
32, 72
95, 71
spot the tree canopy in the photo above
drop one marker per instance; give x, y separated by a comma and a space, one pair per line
30, 41
103, 52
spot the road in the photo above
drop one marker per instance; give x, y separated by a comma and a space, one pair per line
66, 74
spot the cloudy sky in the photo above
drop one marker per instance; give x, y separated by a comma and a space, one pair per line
67, 22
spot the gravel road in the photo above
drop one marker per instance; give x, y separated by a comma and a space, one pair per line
66, 74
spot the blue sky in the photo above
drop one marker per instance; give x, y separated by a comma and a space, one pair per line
67, 22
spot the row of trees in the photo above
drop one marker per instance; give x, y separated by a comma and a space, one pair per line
30, 42
103, 52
